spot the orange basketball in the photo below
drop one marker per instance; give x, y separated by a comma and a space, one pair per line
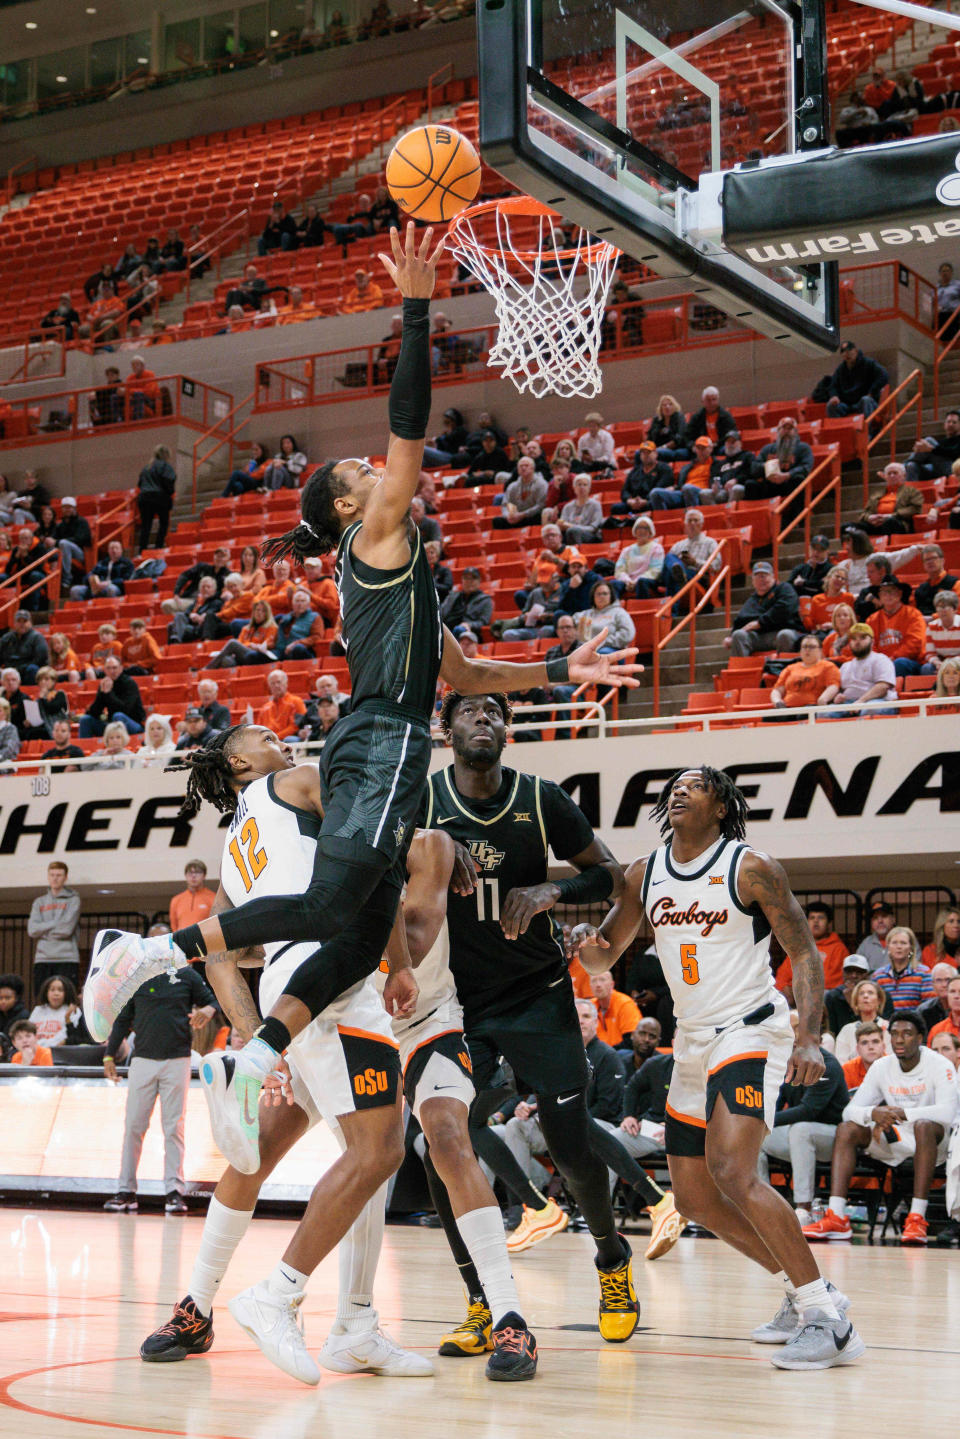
433, 173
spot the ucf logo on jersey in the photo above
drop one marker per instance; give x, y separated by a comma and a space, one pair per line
485, 855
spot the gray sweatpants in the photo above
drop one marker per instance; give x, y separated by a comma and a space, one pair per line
170, 1078
524, 1139
802, 1144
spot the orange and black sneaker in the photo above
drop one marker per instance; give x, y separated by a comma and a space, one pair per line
914, 1229
514, 1351
186, 1332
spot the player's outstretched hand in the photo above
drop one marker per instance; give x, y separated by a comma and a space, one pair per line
278, 1086
413, 270
521, 905
400, 994
463, 880
805, 1065
580, 935
586, 666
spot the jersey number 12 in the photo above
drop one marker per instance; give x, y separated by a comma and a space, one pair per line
488, 899
255, 862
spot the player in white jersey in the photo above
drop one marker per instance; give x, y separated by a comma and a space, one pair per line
343, 1067
439, 1089
713, 902
904, 1109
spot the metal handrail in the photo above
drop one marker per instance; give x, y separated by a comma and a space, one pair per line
870, 442
435, 78
224, 439
33, 160
203, 246
660, 641
15, 583
941, 349
806, 487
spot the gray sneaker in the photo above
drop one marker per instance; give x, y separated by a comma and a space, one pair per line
820, 1343
786, 1321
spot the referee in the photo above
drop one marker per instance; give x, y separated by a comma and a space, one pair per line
163, 1013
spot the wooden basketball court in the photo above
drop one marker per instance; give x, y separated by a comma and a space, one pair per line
79, 1291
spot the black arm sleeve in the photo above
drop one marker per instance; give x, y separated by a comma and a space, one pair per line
409, 406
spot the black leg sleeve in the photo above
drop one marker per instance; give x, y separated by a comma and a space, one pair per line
459, 1250
566, 1129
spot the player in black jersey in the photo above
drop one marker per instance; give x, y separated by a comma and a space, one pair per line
507, 957
374, 768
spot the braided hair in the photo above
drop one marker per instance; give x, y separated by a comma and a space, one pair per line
319, 529
734, 823
211, 774
452, 698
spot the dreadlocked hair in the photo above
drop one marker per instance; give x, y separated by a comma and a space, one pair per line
319, 530
453, 698
734, 823
211, 775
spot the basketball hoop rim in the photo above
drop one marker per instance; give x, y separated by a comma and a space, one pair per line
526, 207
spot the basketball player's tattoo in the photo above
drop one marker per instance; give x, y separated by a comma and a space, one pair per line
763, 882
232, 991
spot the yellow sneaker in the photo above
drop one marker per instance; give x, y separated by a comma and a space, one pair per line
619, 1307
537, 1225
668, 1225
472, 1336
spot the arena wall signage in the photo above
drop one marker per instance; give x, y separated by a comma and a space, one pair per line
857, 788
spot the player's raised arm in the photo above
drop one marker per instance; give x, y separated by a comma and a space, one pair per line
762, 881
581, 666
226, 981
413, 269
598, 949
425, 901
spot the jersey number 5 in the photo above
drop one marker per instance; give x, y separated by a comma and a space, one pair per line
688, 964
256, 861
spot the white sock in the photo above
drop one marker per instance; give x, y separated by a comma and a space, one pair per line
482, 1231
259, 1056
359, 1255
838, 1205
791, 1292
287, 1282
223, 1229
816, 1295
918, 1206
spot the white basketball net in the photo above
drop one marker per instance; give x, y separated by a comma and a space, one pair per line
549, 293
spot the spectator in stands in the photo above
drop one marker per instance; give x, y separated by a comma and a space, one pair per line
106, 645
857, 121
156, 487
899, 630
26, 561
812, 681
447, 448
871, 1004
485, 421
158, 744
575, 592
323, 716
880, 90
831, 948
933, 457
12, 1009
628, 333
895, 510
782, 464
486, 463
187, 626
311, 229
950, 1024
134, 338
358, 224
870, 1039
193, 904
595, 447
428, 527
606, 612
524, 497
904, 1109
567, 640
711, 421
23, 1035
107, 405
539, 612
9, 738
249, 293
856, 384
823, 606
905, 978
322, 589
868, 599
64, 317
252, 577
23, 648
666, 429
117, 698
108, 576
13, 694
688, 554
62, 659
868, 677
769, 618
187, 584
280, 231
33, 495
837, 1006
639, 566
937, 581
249, 476
442, 576
51, 702
53, 922
104, 276
171, 253
71, 537
804, 1128
299, 632
216, 714
62, 749
282, 711
945, 943
874, 945
366, 294
56, 1014
278, 592
467, 603
581, 520
139, 652
286, 467
809, 577
948, 682
194, 730
617, 1015
143, 393
732, 466
943, 633
946, 301
649, 472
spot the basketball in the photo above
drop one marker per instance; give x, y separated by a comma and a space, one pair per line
433, 173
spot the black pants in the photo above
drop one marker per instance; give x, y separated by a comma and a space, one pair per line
153, 507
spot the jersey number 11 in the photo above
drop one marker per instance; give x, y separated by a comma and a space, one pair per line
488, 899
